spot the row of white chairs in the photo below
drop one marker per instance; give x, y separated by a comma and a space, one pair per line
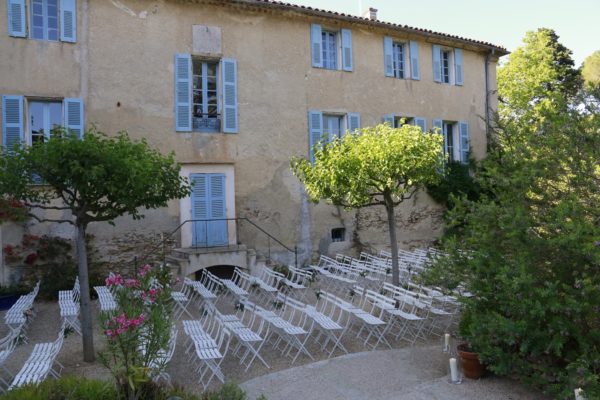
106, 300
68, 301
20, 315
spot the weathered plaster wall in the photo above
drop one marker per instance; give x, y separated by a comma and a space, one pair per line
128, 81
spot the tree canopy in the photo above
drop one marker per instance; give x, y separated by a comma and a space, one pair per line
94, 179
378, 166
591, 69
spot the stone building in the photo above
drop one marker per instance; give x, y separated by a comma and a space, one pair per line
236, 88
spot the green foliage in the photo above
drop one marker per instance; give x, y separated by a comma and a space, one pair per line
455, 181
528, 250
65, 388
591, 69
98, 178
358, 169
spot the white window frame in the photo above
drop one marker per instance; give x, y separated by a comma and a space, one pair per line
47, 128
204, 89
454, 137
338, 48
45, 20
451, 68
327, 117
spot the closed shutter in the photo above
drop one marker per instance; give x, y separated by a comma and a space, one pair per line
230, 104
388, 56
68, 20
437, 63
347, 49
389, 119
315, 131
74, 116
183, 93
353, 122
458, 66
12, 121
421, 123
414, 60
16, 18
217, 229
315, 46
199, 208
464, 141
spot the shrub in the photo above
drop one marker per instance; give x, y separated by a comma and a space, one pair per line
65, 388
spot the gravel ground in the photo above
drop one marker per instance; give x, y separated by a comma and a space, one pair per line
417, 371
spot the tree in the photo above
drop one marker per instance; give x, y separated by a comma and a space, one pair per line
93, 179
380, 166
528, 249
591, 69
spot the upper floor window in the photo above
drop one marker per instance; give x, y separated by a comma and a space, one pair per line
48, 19
326, 127
447, 65
206, 116
205, 94
401, 59
328, 46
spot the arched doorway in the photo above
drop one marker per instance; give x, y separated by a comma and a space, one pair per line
220, 271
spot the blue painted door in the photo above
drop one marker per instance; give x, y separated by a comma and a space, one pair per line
208, 210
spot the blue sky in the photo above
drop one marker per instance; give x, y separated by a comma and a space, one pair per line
501, 22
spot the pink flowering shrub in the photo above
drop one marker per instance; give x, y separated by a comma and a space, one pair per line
139, 327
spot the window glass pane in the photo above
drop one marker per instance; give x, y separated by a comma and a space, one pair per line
211, 83
36, 121
55, 115
36, 8
196, 67
37, 33
52, 11
38, 21
197, 97
52, 34
212, 111
211, 69
198, 110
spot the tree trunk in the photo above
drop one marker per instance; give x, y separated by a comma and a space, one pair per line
389, 207
86, 309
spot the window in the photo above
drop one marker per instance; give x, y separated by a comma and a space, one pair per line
338, 234
44, 19
447, 65
43, 118
329, 46
448, 130
205, 107
456, 139
205, 94
399, 121
396, 121
47, 20
398, 57
326, 127
401, 59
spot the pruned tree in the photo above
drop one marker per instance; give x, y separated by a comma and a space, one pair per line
94, 179
380, 166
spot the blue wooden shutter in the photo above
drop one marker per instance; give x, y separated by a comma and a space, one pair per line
316, 42
12, 121
389, 119
183, 93
230, 104
217, 229
458, 66
464, 141
68, 20
353, 121
422, 123
437, 64
414, 60
388, 56
347, 49
74, 116
16, 18
199, 208
315, 131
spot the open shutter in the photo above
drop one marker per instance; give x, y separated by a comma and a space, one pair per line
12, 121
74, 116
316, 41
315, 131
68, 20
353, 122
16, 18
389, 119
217, 229
388, 56
347, 49
422, 123
458, 66
464, 141
230, 105
183, 93
437, 64
414, 60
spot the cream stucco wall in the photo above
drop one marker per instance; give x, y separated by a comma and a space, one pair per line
123, 67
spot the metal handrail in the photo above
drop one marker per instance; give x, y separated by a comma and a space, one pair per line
162, 243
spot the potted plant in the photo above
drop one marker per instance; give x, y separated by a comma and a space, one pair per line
471, 366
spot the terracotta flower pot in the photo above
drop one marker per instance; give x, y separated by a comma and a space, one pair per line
472, 368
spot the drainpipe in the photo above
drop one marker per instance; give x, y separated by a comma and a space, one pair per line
487, 93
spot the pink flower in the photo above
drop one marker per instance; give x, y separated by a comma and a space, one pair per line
145, 269
114, 280
132, 283
109, 332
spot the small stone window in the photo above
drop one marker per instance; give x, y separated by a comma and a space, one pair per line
338, 234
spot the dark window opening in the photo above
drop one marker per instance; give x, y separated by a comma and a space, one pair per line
338, 234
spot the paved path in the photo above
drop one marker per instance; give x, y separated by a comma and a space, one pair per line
382, 375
